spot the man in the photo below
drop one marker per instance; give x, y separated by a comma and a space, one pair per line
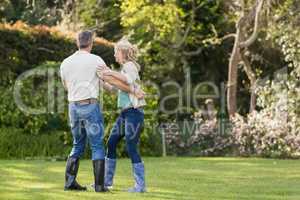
79, 77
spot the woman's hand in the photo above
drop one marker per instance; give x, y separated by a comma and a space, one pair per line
102, 71
140, 94
103, 67
107, 72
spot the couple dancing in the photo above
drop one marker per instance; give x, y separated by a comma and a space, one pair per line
82, 75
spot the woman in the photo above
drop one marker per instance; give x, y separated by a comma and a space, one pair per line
131, 118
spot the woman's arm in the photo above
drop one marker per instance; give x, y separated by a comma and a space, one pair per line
123, 86
116, 75
130, 75
116, 82
107, 86
119, 80
105, 70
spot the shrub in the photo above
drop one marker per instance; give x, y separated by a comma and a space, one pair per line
261, 134
274, 131
41, 49
200, 137
23, 47
15, 144
34, 93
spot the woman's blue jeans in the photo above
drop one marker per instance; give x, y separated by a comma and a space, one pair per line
129, 124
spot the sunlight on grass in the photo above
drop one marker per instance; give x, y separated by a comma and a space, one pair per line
167, 178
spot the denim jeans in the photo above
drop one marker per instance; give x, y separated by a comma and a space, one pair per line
129, 124
87, 122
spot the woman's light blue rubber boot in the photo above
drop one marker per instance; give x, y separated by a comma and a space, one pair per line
139, 177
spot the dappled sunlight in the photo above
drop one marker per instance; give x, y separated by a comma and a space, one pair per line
175, 178
24, 185
20, 173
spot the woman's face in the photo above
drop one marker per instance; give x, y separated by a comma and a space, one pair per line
119, 56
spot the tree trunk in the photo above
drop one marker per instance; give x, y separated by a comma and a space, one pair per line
252, 77
236, 56
233, 75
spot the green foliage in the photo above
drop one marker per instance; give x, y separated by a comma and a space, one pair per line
41, 13
43, 90
15, 144
24, 47
160, 21
273, 131
6, 10
170, 32
34, 94
47, 12
172, 36
103, 16
151, 25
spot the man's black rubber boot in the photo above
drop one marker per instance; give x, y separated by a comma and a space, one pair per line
71, 174
99, 167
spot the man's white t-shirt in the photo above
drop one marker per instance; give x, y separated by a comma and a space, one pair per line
79, 73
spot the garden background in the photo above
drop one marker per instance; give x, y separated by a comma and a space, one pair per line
248, 49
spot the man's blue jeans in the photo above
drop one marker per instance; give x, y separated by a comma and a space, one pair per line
87, 122
129, 124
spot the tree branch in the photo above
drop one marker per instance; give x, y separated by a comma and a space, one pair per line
248, 69
254, 35
231, 35
193, 53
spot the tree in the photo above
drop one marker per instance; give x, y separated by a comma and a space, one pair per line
175, 36
34, 12
172, 33
241, 44
103, 16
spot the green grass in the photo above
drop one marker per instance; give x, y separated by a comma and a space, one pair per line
167, 178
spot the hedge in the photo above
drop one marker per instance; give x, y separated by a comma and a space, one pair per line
15, 144
23, 47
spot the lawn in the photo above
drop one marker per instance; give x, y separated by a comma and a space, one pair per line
167, 178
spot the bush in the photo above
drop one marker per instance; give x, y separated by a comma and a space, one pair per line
200, 137
23, 47
41, 49
274, 131
261, 134
34, 93
15, 144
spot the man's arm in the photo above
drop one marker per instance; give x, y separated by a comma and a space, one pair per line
63, 81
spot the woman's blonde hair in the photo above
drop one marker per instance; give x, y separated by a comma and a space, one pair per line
128, 50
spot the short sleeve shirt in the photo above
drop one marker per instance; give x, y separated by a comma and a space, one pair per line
79, 73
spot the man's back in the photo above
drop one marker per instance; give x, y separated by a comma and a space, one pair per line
79, 73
